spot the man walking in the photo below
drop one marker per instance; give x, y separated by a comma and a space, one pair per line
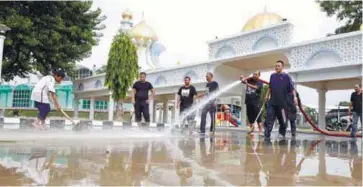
140, 97
356, 104
210, 107
186, 96
253, 100
280, 87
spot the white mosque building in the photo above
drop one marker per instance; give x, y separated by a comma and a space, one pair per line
328, 63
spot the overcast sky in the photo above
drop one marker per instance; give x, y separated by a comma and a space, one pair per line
184, 27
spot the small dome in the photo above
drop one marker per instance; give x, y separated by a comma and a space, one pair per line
143, 33
262, 20
127, 15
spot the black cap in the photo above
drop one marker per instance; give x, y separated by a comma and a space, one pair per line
59, 72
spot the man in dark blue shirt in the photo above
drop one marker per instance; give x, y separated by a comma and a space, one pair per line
280, 87
210, 107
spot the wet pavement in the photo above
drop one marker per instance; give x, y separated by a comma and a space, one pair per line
159, 158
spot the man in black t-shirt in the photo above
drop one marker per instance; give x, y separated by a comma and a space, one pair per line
140, 97
212, 87
356, 103
186, 96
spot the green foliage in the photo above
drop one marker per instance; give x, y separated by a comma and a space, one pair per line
47, 34
344, 103
348, 11
312, 113
122, 66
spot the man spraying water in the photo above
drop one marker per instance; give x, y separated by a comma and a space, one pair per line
210, 107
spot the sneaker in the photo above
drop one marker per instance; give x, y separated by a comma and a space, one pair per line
281, 136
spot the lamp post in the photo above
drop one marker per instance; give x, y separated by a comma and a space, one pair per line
3, 29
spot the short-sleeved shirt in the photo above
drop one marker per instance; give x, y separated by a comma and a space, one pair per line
281, 85
211, 87
187, 95
142, 90
253, 96
357, 102
42, 88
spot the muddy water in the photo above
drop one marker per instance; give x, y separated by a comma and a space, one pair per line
225, 159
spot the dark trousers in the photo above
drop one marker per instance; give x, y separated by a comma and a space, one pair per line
290, 116
142, 107
211, 109
252, 112
272, 112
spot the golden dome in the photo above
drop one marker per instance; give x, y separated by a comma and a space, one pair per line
178, 62
361, 27
262, 20
144, 32
127, 15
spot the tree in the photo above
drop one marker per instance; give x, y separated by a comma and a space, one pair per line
122, 67
348, 11
344, 103
47, 34
312, 113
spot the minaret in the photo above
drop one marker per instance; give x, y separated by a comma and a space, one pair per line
126, 22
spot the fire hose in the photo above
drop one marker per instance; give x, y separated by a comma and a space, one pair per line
311, 122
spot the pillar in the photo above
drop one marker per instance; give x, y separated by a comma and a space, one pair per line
175, 111
110, 108
92, 109
322, 101
2, 38
152, 110
165, 111
76, 106
322, 162
243, 117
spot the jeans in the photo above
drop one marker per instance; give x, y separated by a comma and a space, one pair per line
211, 109
355, 123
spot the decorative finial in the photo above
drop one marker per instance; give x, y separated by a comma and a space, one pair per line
265, 9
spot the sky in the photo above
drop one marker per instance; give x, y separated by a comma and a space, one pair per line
184, 27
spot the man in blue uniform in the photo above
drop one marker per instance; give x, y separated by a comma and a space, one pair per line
280, 87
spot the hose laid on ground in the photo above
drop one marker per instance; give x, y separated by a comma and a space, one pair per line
311, 122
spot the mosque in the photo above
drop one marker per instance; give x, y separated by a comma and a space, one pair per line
328, 63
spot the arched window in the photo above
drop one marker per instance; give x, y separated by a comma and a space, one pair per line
21, 96
98, 84
161, 80
80, 87
193, 76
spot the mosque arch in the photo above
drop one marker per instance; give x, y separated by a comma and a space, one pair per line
225, 51
264, 43
192, 74
322, 58
98, 84
21, 96
161, 80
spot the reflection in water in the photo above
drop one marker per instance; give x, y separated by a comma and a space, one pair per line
233, 159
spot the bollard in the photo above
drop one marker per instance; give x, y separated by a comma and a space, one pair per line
107, 125
57, 123
126, 125
26, 123
1, 122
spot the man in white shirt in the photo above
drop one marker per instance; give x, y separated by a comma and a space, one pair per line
40, 95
